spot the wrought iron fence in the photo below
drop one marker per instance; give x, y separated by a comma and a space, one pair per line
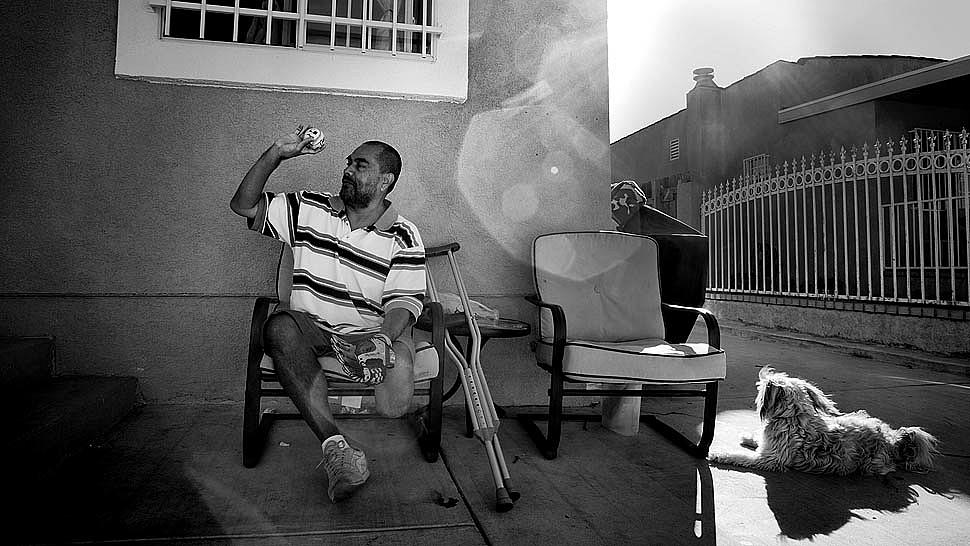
887, 223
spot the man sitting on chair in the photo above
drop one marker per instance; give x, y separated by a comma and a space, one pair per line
359, 268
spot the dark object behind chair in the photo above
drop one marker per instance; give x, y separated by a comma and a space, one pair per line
684, 263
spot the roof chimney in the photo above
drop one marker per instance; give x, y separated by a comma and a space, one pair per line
704, 77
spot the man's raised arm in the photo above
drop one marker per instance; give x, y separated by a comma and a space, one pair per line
246, 199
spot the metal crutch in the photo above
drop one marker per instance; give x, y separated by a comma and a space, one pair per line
478, 398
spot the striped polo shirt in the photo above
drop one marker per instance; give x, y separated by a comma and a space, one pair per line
346, 279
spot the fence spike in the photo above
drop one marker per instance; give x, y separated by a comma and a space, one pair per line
946, 140
865, 150
932, 140
902, 144
916, 145
963, 138
876, 147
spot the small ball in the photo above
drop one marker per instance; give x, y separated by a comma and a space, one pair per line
316, 137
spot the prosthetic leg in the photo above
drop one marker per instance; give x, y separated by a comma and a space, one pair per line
485, 421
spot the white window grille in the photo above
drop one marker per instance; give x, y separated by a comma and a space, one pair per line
756, 167
675, 149
344, 47
389, 26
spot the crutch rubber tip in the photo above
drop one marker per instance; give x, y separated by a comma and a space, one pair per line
503, 502
513, 494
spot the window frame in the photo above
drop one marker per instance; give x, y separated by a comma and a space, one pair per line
441, 74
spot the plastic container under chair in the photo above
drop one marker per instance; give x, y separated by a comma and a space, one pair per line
622, 414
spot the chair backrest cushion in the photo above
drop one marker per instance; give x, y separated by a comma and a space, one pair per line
607, 283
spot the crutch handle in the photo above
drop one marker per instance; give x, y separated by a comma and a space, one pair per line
441, 250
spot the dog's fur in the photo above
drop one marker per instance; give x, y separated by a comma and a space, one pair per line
803, 430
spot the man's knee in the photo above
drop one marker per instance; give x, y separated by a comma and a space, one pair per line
393, 397
280, 332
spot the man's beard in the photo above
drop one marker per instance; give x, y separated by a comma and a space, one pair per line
353, 197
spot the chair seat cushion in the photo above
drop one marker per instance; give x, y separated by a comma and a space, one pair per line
425, 366
645, 360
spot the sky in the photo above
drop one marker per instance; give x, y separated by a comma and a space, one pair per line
654, 45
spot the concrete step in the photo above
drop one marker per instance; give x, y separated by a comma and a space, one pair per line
26, 361
53, 420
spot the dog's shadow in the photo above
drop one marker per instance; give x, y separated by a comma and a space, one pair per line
808, 505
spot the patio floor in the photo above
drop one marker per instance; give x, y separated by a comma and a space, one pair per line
173, 474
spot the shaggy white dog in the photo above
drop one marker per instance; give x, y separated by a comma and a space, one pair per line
803, 430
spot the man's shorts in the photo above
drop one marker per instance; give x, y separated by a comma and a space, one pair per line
319, 340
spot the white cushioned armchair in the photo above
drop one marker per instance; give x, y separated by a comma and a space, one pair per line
601, 321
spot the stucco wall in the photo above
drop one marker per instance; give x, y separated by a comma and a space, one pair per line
118, 238
649, 151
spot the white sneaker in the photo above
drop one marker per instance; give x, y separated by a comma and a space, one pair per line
346, 467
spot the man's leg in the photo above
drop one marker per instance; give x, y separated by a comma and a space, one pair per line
299, 373
393, 396
304, 381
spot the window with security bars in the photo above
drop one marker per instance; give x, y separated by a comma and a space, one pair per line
756, 167
389, 26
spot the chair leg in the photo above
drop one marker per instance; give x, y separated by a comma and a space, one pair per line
253, 430
430, 441
700, 448
710, 415
548, 443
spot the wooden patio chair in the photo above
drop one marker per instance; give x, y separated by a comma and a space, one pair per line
261, 383
600, 321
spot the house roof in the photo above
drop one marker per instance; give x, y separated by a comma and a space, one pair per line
901, 83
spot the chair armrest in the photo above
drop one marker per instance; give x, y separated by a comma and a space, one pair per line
260, 312
713, 330
558, 328
436, 313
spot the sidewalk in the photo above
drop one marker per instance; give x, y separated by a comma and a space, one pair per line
894, 355
173, 474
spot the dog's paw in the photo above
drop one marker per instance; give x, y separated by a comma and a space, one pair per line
717, 456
